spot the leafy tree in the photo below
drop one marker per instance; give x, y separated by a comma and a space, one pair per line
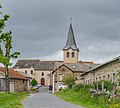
33, 82
69, 81
6, 41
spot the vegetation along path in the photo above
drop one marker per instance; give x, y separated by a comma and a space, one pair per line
45, 99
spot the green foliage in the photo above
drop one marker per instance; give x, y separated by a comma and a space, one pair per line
6, 40
83, 98
77, 87
12, 100
33, 82
69, 81
107, 85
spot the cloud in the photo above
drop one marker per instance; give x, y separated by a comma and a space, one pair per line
40, 27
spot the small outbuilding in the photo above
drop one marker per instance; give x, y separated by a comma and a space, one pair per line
18, 82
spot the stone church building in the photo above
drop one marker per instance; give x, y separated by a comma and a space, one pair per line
52, 72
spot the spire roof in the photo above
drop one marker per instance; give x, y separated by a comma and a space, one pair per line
70, 40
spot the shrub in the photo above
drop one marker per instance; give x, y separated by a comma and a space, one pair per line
77, 87
33, 82
69, 81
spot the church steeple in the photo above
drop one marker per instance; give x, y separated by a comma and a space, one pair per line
70, 40
70, 50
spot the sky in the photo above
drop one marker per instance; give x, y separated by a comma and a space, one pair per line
40, 28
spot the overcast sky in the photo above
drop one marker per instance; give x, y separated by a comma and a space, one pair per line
40, 27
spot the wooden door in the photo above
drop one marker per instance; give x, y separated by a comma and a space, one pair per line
42, 81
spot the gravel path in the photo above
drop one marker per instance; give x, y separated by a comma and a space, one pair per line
45, 99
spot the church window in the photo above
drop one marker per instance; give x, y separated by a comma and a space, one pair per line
73, 54
31, 71
42, 73
25, 71
67, 54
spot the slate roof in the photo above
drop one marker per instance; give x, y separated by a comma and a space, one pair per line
53, 65
98, 66
46, 65
12, 73
26, 63
71, 40
78, 67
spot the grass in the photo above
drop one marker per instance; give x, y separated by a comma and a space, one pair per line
12, 100
83, 98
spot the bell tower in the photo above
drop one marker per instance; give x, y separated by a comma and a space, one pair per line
70, 50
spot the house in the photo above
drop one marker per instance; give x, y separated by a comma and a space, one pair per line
18, 82
106, 71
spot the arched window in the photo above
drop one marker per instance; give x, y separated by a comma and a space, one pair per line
42, 73
73, 54
67, 54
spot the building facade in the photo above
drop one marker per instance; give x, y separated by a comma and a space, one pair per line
107, 71
44, 71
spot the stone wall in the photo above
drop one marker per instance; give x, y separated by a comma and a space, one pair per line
46, 76
107, 71
19, 85
71, 59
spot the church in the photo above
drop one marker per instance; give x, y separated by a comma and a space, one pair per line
49, 72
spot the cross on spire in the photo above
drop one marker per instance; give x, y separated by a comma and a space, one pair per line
71, 20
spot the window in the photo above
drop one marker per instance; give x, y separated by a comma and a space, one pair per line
99, 78
96, 79
113, 77
67, 54
42, 73
73, 54
26, 71
23, 81
90, 80
31, 71
103, 77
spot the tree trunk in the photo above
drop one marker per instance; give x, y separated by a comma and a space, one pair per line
7, 79
7, 71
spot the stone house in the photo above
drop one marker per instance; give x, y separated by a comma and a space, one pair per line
106, 71
18, 82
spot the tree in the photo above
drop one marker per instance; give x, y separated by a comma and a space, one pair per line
69, 81
33, 82
6, 41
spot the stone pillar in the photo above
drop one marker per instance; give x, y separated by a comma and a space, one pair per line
102, 86
53, 84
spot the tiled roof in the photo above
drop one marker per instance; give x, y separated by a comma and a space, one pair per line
24, 74
26, 63
12, 73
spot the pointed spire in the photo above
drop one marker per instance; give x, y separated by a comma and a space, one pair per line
70, 39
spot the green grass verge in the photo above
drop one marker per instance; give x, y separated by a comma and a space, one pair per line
84, 99
12, 100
